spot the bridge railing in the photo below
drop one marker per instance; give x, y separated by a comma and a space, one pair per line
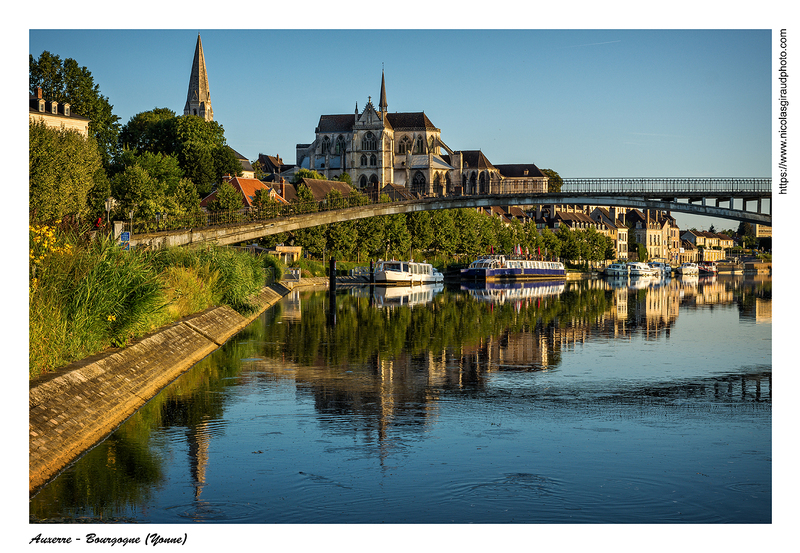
667, 185
165, 222
637, 186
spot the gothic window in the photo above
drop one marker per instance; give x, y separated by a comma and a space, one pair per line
362, 182
418, 184
373, 160
430, 144
340, 146
326, 145
369, 142
472, 184
373, 180
363, 160
419, 147
483, 188
405, 145
437, 184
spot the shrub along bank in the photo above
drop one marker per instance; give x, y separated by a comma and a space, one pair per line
87, 294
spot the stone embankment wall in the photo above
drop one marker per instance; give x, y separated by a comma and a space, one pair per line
77, 406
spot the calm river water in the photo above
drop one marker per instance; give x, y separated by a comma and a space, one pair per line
580, 402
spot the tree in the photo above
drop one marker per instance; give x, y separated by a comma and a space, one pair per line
306, 174
68, 82
199, 145
228, 199
554, 180
65, 170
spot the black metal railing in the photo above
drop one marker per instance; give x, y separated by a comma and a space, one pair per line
662, 186
668, 185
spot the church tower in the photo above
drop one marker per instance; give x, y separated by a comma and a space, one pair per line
198, 99
383, 107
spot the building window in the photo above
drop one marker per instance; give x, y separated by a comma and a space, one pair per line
363, 161
340, 146
373, 160
54, 108
404, 146
326, 145
66, 110
419, 146
369, 142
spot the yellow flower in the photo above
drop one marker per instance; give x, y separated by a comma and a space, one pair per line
112, 318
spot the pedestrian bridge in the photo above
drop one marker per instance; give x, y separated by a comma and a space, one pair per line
739, 199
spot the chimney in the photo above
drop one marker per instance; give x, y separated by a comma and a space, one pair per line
283, 188
39, 92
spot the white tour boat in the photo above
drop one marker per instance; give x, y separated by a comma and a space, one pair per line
638, 269
617, 269
500, 267
689, 269
663, 268
406, 272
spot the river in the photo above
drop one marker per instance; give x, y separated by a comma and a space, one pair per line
580, 402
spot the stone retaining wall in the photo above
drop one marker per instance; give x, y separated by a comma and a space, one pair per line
77, 406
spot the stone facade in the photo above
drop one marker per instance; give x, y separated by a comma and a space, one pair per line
56, 115
198, 98
377, 148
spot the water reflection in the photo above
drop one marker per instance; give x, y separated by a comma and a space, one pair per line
389, 375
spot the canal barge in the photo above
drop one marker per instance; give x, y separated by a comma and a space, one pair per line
500, 267
406, 272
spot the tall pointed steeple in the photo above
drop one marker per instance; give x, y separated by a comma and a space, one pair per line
198, 99
383, 106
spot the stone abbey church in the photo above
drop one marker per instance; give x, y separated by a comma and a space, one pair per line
379, 148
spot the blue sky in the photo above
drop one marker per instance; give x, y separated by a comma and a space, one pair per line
586, 103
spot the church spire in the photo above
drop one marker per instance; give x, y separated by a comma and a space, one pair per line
383, 106
198, 99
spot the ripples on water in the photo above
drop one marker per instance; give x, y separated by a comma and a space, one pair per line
635, 407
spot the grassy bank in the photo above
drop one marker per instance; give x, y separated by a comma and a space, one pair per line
88, 294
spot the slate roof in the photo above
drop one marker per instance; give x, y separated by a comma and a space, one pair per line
517, 170
336, 123
412, 120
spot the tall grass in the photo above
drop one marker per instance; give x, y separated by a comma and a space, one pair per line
86, 295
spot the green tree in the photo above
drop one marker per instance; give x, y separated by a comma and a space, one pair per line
421, 231
199, 145
345, 177
64, 172
228, 201
554, 180
306, 174
68, 82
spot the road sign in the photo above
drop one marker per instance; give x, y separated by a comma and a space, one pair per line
125, 236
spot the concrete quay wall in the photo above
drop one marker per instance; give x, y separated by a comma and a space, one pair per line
76, 407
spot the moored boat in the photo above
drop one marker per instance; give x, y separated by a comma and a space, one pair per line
689, 269
499, 267
406, 272
707, 268
663, 268
638, 269
617, 269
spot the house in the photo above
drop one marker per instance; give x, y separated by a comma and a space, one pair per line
319, 188
58, 115
521, 178
616, 229
247, 187
247, 169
